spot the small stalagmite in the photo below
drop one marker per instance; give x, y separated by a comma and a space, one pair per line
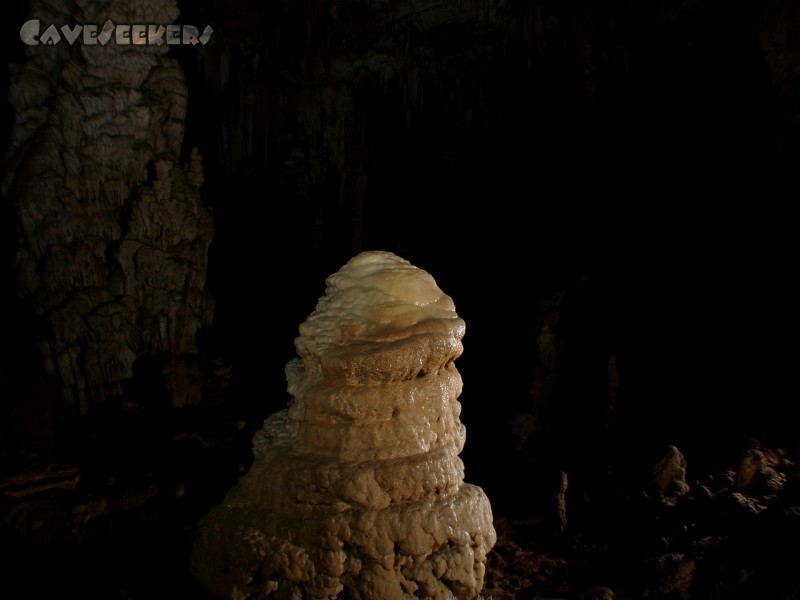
357, 490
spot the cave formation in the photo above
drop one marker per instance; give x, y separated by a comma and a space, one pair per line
357, 489
602, 189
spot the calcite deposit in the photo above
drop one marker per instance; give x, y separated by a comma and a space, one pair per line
113, 241
357, 489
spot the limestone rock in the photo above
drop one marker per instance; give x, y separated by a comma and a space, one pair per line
561, 502
669, 474
357, 485
599, 593
677, 574
49, 477
113, 236
753, 470
757, 473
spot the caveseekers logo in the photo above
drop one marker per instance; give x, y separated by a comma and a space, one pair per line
124, 35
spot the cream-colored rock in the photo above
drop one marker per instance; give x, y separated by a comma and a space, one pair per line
357, 488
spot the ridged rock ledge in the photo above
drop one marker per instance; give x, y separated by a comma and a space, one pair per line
357, 489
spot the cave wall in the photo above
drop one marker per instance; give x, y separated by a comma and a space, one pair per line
423, 128
578, 150
112, 235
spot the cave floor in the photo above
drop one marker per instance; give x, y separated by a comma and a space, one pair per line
109, 511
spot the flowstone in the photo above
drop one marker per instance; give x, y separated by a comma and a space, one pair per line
357, 489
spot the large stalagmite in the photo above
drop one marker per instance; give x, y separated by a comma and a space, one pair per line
357, 489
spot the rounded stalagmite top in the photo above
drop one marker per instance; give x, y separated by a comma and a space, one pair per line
377, 297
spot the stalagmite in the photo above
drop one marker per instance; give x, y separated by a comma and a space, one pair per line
357, 489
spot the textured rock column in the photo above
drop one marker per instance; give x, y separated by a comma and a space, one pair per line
113, 236
357, 486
